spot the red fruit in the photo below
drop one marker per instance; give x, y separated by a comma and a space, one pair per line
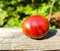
35, 26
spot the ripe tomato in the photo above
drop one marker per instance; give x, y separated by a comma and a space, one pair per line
35, 26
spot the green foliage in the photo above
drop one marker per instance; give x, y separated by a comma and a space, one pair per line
16, 10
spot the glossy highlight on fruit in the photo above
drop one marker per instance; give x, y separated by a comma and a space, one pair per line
35, 26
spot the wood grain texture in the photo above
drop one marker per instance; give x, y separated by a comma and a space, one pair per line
14, 39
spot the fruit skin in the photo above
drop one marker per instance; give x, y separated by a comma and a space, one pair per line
35, 26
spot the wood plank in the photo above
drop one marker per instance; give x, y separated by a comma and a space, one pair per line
13, 39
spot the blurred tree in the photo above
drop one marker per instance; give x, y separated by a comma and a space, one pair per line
13, 12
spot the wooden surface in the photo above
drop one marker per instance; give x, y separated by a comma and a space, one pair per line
14, 39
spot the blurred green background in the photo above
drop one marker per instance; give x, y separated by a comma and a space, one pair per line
13, 12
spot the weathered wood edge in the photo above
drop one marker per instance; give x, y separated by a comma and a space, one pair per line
14, 39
